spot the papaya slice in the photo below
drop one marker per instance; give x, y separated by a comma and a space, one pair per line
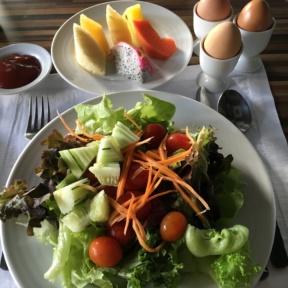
151, 42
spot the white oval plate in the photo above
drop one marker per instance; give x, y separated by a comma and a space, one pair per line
166, 23
259, 206
29, 49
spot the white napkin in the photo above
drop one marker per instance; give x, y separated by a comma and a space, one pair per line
265, 134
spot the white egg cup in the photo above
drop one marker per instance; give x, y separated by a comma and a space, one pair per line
253, 44
215, 71
202, 27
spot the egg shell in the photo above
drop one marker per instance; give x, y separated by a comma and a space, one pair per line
256, 16
214, 10
223, 41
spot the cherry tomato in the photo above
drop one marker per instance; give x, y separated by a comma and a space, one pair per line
157, 213
91, 177
141, 213
105, 251
176, 141
117, 231
137, 177
173, 226
155, 130
110, 191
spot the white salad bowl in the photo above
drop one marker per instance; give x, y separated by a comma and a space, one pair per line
29, 259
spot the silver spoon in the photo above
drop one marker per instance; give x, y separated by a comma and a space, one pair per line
231, 105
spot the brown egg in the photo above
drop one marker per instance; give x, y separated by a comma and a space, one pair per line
255, 16
223, 41
214, 10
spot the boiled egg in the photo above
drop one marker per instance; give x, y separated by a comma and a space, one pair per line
214, 10
223, 41
255, 16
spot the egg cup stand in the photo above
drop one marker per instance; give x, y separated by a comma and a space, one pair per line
213, 85
196, 47
248, 64
253, 44
203, 27
214, 75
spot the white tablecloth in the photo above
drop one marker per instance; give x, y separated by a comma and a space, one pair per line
265, 134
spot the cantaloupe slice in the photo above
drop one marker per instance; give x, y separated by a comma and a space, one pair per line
97, 32
133, 12
88, 53
118, 29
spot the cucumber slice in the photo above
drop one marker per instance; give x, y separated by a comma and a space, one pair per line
78, 219
109, 151
123, 135
71, 195
69, 179
100, 208
79, 159
106, 173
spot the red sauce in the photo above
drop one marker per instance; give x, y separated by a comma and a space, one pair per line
18, 70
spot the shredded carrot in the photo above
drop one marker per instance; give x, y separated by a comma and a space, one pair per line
189, 189
140, 228
132, 121
134, 145
162, 149
143, 243
71, 130
160, 194
116, 217
91, 136
175, 158
157, 163
150, 187
192, 205
153, 154
174, 178
123, 176
118, 214
88, 187
136, 225
129, 213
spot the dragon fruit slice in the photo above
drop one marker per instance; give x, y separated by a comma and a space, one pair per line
131, 62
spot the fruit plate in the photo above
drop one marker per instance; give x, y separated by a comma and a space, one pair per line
166, 23
258, 212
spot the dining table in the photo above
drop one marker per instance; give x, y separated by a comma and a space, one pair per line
37, 21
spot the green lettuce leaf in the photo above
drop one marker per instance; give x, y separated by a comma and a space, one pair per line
153, 111
47, 233
159, 268
232, 270
101, 118
18, 200
235, 270
215, 179
205, 242
71, 257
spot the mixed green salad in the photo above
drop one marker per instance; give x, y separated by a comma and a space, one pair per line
127, 199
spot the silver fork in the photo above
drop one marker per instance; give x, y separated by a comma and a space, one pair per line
33, 125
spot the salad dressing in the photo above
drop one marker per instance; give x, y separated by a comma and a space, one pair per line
18, 70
